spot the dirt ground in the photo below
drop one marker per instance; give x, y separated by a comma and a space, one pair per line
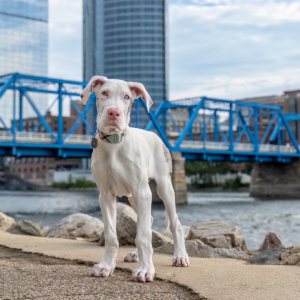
34, 276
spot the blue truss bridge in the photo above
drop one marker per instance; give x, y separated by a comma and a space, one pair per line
200, 128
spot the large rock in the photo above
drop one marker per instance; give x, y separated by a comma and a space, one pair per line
167, 232
126, 224
271, 241
26, 227
218, 235
5, 221
269, 257
159, 240
291, 256
126, 228
77, 226
196, 248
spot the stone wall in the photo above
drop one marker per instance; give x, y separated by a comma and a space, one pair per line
276, 180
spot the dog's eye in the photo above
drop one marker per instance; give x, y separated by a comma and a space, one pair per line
104, 93
126, 97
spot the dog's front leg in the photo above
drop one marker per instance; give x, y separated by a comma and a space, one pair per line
107, 265
145, 271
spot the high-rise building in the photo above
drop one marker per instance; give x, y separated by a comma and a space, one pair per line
23, 47
127, 39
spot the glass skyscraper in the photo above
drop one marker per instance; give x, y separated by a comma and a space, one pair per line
23, 46
127, 39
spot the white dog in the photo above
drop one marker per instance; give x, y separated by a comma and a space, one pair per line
123, 162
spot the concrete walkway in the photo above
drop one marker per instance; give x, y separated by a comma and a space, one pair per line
212, 278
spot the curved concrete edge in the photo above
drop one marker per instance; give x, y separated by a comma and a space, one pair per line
210, 278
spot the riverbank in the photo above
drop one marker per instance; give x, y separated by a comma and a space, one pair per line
255, 218
220, 279
217, 189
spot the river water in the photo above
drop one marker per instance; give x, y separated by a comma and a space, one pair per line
254, 217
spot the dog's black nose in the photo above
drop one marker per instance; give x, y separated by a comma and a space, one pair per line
81, 96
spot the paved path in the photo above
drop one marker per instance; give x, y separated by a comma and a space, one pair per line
34, 276
218, 278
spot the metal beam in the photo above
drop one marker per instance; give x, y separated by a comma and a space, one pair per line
6, 85
188, 125
41, 118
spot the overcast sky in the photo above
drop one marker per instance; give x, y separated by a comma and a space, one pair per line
219, 48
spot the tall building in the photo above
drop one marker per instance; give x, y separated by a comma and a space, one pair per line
23, 47
127, 39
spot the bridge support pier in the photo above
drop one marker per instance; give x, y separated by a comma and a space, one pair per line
178, 181
276, 180
178, 178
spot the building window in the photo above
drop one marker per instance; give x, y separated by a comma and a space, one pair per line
30, 160
37, 169
36, 159
293, 106
31, 170
25, 170
293, 110
44, 168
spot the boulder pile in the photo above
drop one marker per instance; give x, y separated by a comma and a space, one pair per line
207, 240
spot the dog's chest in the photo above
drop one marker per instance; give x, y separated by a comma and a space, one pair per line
113, 173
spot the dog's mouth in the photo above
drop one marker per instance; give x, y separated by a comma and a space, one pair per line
111, 128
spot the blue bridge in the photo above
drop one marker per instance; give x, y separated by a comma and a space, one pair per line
200, 128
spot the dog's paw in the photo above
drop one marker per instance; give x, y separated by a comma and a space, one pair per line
101, 270
132, 257
181, 261
143, 275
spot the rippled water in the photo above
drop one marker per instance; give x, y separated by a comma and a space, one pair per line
255, 218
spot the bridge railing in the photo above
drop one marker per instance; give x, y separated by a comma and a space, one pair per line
212, 129
239, 147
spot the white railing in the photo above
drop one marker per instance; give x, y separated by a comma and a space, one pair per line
5, 136
240, 147
34, 137
78, 139
274, 148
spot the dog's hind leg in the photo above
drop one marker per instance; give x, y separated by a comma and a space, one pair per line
166, 193
133, 256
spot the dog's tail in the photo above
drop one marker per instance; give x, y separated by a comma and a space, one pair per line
167, 220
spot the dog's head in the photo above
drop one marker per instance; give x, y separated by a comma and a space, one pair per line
114, 100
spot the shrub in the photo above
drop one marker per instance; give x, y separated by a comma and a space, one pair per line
78, 183
233, 184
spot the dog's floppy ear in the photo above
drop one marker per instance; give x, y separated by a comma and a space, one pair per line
85, 96
138, 90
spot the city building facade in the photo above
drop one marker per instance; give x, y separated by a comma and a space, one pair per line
289, 102
23, 47
127, 39
292, 106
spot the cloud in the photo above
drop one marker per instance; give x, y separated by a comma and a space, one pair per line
233, 49
65, 39
255, 12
